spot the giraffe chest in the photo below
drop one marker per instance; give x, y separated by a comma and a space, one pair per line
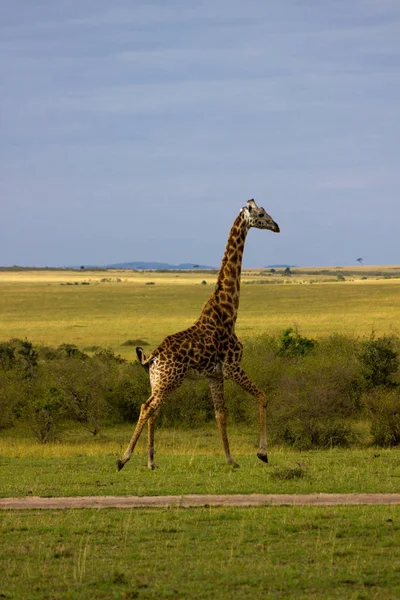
204, 360
207, 358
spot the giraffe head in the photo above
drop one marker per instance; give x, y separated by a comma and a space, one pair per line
257, 217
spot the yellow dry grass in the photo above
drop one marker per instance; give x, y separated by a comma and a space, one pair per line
53, 307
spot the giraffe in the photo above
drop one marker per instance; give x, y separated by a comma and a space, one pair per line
209, 348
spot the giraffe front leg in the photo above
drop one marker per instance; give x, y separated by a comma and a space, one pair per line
217, 393
262, 454
236, 373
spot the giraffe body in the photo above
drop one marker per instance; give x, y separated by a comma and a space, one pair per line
208, 349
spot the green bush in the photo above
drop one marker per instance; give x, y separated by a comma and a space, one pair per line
42, 405
7, 356
128, 389
379, 358
190, 405
313, 394
20, 355
316, 390
10, 392
293, 344
85, 382
45, 414
47, 386
384, 408
18, 367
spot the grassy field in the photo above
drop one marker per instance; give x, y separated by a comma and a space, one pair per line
218, 553
259, 553
188, 461
108, 308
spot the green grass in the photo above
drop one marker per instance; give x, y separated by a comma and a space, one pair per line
216, 553
188, 462
43, 309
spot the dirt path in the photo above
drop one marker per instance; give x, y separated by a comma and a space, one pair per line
190, 500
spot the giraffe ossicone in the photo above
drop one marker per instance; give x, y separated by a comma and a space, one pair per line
209, 348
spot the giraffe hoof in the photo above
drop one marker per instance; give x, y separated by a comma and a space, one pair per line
262, 457
233, 464
120, 464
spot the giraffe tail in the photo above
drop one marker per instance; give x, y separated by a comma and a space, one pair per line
142, 358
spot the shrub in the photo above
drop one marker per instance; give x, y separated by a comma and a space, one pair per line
316, 390
7, 356
45, 414
127, 391
42, 405
25, 356
293, 344
189, 405
384, 409
84, 382
379, 359
313, 396
135, 342
287, 473
306, 433
70, 351
11, 389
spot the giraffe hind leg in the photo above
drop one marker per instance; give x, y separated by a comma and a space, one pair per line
149, 411
146, 412
217, 393
150, 439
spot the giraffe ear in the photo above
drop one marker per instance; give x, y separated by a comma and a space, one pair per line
251, 204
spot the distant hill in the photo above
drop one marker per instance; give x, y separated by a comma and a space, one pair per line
280, 266
156, 266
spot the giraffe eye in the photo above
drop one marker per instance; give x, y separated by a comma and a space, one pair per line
262, 215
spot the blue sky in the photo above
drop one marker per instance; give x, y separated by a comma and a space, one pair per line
136, 130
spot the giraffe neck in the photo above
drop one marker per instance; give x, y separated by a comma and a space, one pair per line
224, 302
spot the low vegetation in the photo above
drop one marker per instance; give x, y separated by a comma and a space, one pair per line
67, 404
319, 389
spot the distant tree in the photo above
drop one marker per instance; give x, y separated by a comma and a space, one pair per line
287, 271
273, 270
82, 267
196, 266
360, 260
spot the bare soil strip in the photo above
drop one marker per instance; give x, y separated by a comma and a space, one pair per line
192, 500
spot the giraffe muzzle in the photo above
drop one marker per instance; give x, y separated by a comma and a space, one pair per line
275, 227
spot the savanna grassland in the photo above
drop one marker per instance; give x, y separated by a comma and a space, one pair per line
327, 433
106, 308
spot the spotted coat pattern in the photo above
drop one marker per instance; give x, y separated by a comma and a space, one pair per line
209, 348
